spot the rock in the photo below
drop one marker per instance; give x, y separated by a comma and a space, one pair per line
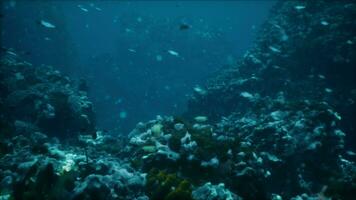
178, 126
214, 162
93, 187
213, 192
42, 99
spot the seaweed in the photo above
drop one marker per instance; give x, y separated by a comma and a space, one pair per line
167, 186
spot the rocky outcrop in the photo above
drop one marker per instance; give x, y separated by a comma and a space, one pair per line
40, 98
305, 50
286, 150
39, 167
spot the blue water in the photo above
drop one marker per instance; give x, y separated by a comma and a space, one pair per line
120, 48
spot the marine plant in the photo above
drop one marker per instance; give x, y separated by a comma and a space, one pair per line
162, 185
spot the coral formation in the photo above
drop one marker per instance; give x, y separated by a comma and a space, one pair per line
41, 99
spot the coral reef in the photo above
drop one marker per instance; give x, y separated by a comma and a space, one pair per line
303, 44
38, 167
40, 98
263, 153
278, 125
211, 192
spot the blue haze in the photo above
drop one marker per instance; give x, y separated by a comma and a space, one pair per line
115, 47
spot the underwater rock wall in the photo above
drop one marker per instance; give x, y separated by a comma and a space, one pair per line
304, 51
40, 98
288, 150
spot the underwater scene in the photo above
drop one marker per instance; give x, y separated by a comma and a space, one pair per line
178, 100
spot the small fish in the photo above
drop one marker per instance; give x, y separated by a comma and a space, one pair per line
274, 49
246, 95
173, 53
132, 50
350, 153
321, 76
98, 9
11, 53
299, 7
328, 90
47, 24
324, 23
82, 8
199, 90
201, 119
184, 27
277, 26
